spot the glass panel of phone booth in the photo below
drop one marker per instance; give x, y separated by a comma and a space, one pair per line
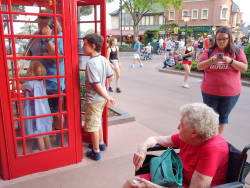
32, 6
88, 21
6, 24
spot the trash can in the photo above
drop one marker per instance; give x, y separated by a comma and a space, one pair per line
155, 46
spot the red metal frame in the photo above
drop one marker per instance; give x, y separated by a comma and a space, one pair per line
48, 159
12, 165
75, 55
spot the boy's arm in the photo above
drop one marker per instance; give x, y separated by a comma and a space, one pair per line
102, 92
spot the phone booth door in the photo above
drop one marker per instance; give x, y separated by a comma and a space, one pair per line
91, 18
37, 86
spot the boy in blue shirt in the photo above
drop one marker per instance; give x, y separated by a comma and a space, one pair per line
137, 52
97, 70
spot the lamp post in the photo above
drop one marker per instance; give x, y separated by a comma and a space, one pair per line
213, 29
248, 34
186, 19
129, 39
29, 26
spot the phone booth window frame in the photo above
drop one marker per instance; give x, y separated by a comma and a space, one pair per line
72, 75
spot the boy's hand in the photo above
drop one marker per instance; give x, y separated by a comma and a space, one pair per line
111, 102
20, 69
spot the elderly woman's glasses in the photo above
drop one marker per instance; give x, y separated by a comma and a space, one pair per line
222, 40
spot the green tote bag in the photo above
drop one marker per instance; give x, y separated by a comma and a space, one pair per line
166, 170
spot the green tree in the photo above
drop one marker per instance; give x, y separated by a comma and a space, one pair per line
28, 29
137, 8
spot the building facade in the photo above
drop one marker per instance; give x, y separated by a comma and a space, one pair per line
205, 14
148, 21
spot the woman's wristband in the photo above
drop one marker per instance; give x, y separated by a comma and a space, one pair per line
231, 62
212, 60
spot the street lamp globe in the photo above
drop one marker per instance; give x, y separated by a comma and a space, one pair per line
213, 28
129, 35
187, 17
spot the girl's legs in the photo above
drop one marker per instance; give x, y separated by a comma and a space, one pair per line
47, 142
187, 72
40, 143
117, 73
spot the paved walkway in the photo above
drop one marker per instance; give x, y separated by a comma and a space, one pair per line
154, 99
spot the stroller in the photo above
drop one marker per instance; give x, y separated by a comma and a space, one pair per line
145, 55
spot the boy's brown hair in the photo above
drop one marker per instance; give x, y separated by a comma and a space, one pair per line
95, 39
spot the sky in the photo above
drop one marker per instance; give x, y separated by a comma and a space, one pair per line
243, 4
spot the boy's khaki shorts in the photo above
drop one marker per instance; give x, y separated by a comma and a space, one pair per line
93, 116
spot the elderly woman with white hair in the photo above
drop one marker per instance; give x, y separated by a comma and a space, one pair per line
204, 153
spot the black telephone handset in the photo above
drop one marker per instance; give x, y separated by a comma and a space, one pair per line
51, 26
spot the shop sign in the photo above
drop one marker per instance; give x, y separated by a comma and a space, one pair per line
161, 32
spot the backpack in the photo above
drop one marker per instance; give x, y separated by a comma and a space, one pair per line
164, 44
237, 51
180, 57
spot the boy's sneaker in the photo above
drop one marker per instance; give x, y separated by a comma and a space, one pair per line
94, 155
185, 85
110, 89
118, 90
132, 66
101, 146
140, 65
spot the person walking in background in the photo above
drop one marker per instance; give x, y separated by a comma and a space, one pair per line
137, 52
187, 54
164, 47
221, 86
200, 46
161, 44
168, 47
195, 45
181, 45
114, 61
173, 45
206, 42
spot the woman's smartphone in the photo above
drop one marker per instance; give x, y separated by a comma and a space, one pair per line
220, 55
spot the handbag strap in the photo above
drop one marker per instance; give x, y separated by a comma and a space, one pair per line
167, 166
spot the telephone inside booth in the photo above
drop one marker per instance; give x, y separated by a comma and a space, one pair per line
42, 81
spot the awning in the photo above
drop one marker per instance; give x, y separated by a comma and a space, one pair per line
124, 32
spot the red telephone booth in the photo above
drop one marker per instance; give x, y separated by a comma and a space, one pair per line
42, 106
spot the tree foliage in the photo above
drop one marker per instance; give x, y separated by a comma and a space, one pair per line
154, 35
28, 29
170, 25
138, 8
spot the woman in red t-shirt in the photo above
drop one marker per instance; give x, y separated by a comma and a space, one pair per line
203, 152
221, 85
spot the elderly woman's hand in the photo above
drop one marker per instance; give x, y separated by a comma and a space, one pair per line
142, 183
140, 156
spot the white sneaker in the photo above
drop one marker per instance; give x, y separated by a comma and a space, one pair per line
199, 81
185, 85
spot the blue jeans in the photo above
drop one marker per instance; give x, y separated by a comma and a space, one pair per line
221, 105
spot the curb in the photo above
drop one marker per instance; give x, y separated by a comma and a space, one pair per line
244, 83
124, 117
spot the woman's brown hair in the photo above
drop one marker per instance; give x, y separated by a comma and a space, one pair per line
111, 40
230, 46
